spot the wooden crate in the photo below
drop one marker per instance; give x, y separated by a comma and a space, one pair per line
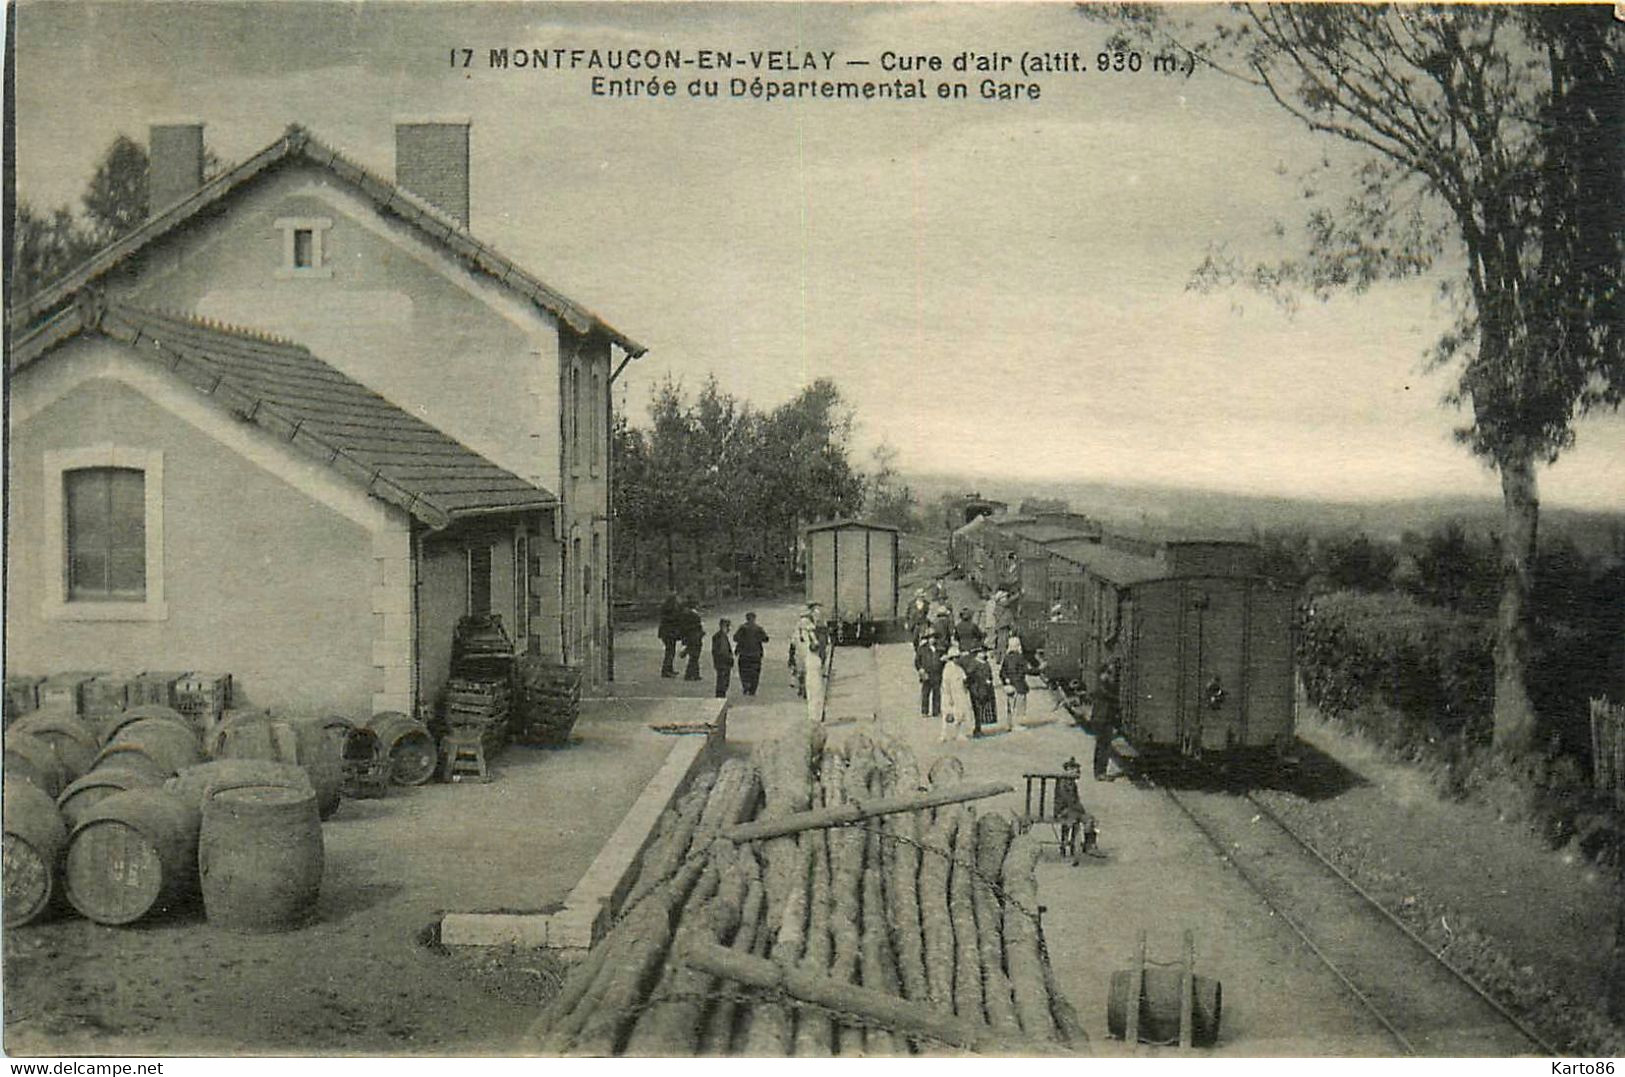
203, 695
60, 691
104, 695
154, 688
22, 697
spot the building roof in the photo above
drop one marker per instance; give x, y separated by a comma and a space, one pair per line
298, 145
284, 389
1043, 533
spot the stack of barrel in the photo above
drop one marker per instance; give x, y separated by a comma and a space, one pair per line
549, 701
133, 823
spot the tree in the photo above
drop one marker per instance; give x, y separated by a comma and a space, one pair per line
43, 247
115, 200
1492, 138
890, 501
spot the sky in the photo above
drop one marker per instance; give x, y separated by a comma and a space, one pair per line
999, 288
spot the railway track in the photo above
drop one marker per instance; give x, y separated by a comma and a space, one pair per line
1426, 1005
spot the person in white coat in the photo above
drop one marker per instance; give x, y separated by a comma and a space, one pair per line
810, 645
956, 705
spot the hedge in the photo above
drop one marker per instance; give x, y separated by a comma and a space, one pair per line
1431, 668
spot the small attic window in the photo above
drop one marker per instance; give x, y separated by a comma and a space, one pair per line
304, 245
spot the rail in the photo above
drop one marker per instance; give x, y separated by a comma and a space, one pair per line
1316, 857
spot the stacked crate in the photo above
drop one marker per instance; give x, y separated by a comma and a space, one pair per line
478, 697
478, 708
549, 702
154, 688
60, 691
22, 697
102, 699
202, 697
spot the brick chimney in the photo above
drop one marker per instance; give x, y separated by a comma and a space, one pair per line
175, 169
431, 161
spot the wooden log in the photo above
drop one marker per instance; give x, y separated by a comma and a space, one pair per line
992, 841
719, 1035
769, 1027
670, 1024
876, 968
935, 921
907, 1018
815, 1033
660, 862
903, 903
556, 1031
1023, 958
962, 916
734, 798
846, 849
845, 814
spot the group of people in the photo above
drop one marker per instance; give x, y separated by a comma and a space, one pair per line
954, 660
680, 624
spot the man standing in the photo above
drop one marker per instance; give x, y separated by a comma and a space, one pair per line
749, 644
1103, 717
670, 631
693, 640
928, 662
811, 646
966, 634
722, 657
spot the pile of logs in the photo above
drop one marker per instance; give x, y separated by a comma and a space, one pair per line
819, 901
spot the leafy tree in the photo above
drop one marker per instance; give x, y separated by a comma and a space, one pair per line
1492, 138
1356, 563
115, 200
1454, 571
890, 501
43, 247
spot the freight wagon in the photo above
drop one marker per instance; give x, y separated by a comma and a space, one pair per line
1202, 642
852, 574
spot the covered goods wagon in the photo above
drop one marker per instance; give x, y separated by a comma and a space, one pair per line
852, 574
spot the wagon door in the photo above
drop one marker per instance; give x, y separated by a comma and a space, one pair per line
851, 573
1213, 663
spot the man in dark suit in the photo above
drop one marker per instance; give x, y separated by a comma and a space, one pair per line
670, 632
693, 640
722, 657
748, 648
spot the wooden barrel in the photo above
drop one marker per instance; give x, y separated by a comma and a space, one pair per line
260, 857
149, 711
34, 837
132, 855
1159, 1006
411, 750
366, 764
196, 782
134, 757
171, 743
34, 760
73, 738
102, 782
303, 741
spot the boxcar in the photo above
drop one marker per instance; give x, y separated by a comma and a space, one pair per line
852, 574
1204, 644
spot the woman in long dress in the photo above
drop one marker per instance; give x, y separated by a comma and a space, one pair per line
956, 706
